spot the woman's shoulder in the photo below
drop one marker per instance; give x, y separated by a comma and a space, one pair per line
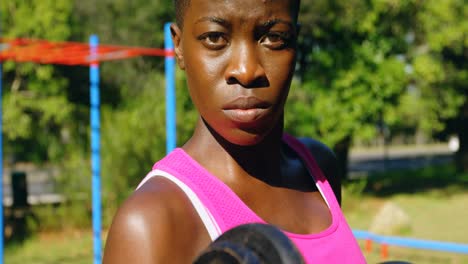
157, 215
327, 161
318, 149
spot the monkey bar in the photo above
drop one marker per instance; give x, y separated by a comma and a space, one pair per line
88, 54
69, 53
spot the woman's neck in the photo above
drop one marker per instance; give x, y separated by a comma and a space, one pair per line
231, 162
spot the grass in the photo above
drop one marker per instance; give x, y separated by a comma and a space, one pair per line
436, 199
70, 246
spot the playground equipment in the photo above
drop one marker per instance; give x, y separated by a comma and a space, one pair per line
386, 241
82, 54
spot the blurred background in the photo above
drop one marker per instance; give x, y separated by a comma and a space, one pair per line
384, 83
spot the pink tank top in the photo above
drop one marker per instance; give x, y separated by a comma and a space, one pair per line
221, 209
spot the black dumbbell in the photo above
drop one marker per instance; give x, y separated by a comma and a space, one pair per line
251, 244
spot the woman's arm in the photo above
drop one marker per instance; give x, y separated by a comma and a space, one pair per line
157, 224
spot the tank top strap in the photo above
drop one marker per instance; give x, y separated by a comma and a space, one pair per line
320, 180
205, 215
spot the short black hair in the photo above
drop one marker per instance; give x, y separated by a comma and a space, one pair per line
182, 5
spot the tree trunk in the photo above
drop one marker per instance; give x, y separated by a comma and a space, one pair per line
461, 157
341, 150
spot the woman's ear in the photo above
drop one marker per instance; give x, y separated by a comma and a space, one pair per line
176, 34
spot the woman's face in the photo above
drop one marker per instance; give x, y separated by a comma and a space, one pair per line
239, 56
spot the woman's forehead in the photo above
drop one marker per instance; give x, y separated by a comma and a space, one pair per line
245, 9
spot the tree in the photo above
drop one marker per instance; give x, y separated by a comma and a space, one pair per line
351, 69
440, 60
36, 108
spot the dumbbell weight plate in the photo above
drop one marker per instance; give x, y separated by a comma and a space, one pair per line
251, 244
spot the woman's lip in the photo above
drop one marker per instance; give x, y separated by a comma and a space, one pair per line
246, 103
245, 115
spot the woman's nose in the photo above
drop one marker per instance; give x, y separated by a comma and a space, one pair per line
245, 67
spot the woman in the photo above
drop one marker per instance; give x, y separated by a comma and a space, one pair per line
238, 167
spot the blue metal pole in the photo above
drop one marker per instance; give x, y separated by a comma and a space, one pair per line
1, 169
169, 61
95, 148
1, 158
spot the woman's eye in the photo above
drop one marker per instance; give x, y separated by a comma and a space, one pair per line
213, 40
276, 40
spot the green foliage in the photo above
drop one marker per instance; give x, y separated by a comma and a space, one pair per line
35, 102
122, 22
350, 69
68, 216
186, 113
134, 137
48, 19
439, 60
364, 63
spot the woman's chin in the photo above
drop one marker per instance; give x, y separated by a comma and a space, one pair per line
245, 137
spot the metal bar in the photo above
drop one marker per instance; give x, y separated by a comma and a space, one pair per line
413, 243
36, 49
169, 61
95, 150
1, 168
1, 156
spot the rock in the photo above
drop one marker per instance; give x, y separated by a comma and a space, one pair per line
391, 220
